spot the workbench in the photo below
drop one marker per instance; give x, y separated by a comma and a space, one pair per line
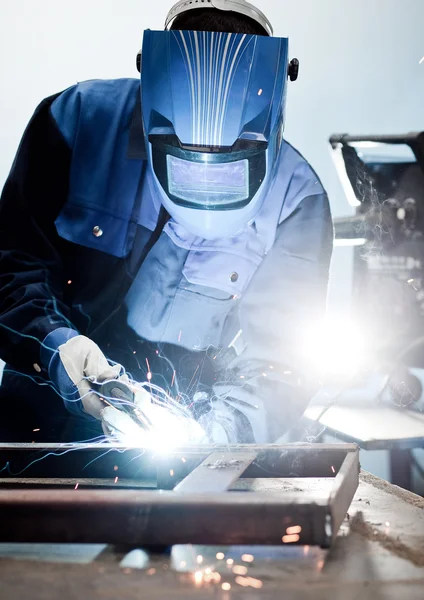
378, 555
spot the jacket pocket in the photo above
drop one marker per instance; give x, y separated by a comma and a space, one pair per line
219, 274
198, 320
93, 228
206, 301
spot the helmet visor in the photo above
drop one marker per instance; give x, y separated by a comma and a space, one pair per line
209, 178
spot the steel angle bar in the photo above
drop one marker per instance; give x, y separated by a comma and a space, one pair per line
103, 460
158, 518
199, 510
216, 473
344, 487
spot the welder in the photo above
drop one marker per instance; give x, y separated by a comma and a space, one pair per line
163, 230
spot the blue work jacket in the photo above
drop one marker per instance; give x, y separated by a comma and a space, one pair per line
84, 245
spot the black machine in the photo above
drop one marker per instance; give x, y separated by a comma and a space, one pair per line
383, 177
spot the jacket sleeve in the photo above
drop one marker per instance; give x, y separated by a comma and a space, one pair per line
32, 279
269, 381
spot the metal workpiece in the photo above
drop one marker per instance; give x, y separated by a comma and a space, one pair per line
106, 460
205, 506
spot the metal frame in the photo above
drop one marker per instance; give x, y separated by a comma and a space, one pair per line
202, 507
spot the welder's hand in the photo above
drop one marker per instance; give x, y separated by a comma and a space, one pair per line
87, 368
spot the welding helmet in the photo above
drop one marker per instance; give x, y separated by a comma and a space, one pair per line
238, 6
213, 115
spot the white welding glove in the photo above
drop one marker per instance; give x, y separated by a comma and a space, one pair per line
87, 367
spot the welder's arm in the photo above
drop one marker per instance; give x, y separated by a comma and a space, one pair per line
32, 279
268, 382
35, 331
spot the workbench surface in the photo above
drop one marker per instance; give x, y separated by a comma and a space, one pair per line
379, 555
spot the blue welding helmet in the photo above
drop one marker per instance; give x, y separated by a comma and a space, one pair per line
213, 116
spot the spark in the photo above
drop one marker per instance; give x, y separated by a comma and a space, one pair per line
320, 565
37, 367
183, 459
134, 351
115, 468
179, 336
255, 583
230, 561
198, 577
249, 582
151, 571
36, 430
199, 559
260, 92
76, 486
293, 530
249, 558
149, 372
264, 374
171, 472
241, 376
387, 524
116, 479
69, 281
421, 61
173, 378
36, 460
290, 539
239, 570
333, 469
271, 367
226, 586
220, 555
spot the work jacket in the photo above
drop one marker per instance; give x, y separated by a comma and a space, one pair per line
85, 245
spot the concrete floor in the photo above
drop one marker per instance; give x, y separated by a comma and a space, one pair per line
379, 555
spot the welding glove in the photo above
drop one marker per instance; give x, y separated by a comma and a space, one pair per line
165, 426
225, 424
76, 366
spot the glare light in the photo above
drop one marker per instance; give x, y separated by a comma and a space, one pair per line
343, 176
239, 570
290, 539
343, 243
294, 529
365, 144
249, 558
335, 348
